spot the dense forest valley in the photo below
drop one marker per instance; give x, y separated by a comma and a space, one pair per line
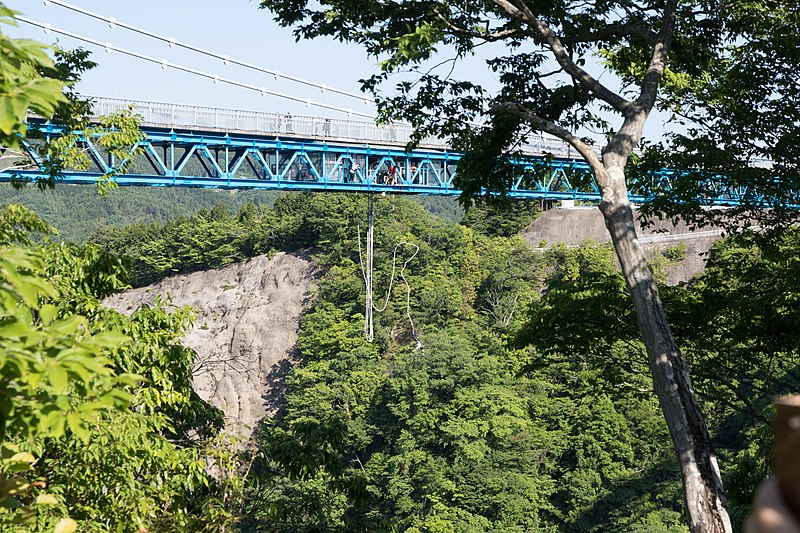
526, 406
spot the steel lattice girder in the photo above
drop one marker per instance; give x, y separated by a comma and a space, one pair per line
196, 159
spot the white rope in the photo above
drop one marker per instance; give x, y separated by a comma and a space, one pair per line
226, 59
400, 275
214, 77
366, 273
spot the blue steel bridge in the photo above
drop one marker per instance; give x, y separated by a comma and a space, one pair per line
189, 146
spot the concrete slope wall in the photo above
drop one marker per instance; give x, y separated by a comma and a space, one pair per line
573, 226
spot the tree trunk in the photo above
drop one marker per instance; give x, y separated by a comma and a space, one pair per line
705, 499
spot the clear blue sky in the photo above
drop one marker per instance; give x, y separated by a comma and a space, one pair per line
233, 27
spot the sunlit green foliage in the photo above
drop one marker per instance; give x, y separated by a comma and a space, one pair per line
57, 377
116, 135
22, 87
99, 421
33, 82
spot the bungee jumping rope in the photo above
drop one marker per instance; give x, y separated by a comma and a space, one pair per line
367, 275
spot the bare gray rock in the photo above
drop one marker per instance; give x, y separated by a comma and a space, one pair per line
247, 320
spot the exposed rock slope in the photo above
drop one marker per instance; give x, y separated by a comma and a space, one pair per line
247, 320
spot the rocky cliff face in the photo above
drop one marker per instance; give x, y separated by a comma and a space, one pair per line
247, 320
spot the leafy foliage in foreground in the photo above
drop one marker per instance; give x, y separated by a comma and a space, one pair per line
22, 87
32, 82
93, 402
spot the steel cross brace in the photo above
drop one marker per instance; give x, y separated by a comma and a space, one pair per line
241, 161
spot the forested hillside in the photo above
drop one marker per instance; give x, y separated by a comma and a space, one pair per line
522, 410
78, 212
527, 405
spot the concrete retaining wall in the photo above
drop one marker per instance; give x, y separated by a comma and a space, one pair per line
575, 225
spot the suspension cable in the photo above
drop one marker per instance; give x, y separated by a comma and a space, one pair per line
226, 59
213, 77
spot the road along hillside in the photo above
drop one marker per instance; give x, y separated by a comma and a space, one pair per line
247, 320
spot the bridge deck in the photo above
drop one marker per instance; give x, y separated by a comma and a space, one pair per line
188, 146
286, 125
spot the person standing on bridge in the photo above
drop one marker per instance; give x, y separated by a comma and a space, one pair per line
289, 123
326, 128
344, 170
354, 172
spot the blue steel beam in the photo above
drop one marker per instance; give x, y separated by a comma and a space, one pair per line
208, 159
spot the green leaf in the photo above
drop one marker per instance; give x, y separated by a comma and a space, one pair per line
21, 457
66, 525
12, 112
57, 377
68, 325
75, 424
17, 467
52, 423
15, 330
43, 95
110, 339
47, 314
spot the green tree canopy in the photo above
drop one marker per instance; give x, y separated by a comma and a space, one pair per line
23, 86
741, 124
542, 53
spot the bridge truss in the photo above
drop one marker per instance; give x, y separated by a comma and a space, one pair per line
311, 154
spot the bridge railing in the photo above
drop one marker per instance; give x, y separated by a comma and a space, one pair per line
286, 124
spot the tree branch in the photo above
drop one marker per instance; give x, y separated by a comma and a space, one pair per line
545, 34
619, 148
540, 124
630, 29
486, 36
749, 409
658, 61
